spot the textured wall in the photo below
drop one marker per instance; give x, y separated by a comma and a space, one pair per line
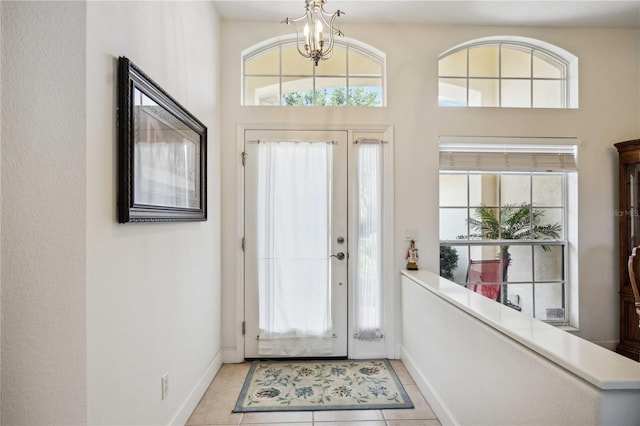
43, 246
94, 312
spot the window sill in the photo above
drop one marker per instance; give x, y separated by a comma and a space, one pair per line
567, 328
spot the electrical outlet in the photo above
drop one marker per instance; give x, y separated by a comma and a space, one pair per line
411, 234
165, 385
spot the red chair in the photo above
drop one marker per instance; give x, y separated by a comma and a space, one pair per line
486, 271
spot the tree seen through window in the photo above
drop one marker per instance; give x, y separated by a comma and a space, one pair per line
274, 74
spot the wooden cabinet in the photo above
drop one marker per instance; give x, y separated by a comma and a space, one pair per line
629, 219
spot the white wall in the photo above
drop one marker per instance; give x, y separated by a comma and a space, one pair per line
608, 113
0, 217
153, 289
44, 215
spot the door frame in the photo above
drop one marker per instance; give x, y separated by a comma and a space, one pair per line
389, 347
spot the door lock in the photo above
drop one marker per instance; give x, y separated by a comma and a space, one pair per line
340, 255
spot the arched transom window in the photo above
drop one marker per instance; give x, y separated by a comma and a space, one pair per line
274, 73
508, 72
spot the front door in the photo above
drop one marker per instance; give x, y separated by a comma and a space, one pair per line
295, 244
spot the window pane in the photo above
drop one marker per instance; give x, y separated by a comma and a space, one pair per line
331, 91
524, 267
282, 60
297, 91
548, 263
336, 65
516, 93
483, 190
262, 91
483, 92
295, 64
453, 263
483, 61
547, 190
521, 295
360, 64
548, 93
453, 65
365, 92
551, 218
484, 253
265, 63
483, 224
453, 224
516, 62
521, 264
549, 296
452, 92
453, 190
546, 67
515, 222
515, 189
486, 269
514, 66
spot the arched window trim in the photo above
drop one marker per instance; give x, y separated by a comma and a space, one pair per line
569, 60
344, 42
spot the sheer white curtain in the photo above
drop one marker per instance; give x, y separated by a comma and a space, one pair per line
368, 276
294, 200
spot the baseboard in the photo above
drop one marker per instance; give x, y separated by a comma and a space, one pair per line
430, 394
231, 356
187, 407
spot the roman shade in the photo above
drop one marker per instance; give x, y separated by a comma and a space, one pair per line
508, 154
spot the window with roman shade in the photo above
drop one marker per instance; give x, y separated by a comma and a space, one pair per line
508, 220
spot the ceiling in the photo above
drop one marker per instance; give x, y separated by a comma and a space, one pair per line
541, 13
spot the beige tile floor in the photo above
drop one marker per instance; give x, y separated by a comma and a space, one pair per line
216, 405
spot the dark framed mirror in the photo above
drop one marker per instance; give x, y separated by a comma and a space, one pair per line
162, 150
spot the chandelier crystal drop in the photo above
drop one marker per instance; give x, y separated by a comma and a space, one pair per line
317, 37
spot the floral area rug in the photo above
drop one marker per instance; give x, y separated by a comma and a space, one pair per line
321, 385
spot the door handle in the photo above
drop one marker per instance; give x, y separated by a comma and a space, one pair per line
340, 255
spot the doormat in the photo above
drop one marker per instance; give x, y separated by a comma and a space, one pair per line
321, 385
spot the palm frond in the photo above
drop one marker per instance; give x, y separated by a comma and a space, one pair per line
514, 222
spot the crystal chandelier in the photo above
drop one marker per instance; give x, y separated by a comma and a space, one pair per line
313, 45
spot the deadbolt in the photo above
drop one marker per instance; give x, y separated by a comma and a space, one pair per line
340, 240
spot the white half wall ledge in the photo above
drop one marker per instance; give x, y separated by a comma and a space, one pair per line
470, 355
